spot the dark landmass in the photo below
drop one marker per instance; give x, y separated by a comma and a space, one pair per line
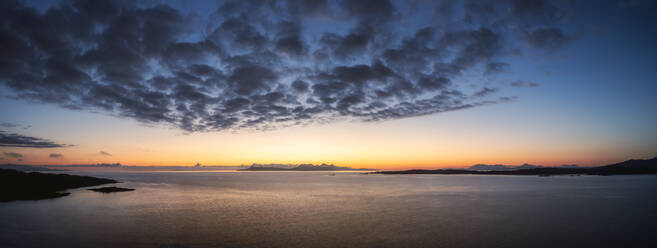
20, 167
17, 185
304, 167
629, 167
490, 167
502, 167
108, 190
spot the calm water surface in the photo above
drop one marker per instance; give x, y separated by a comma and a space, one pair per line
316, 209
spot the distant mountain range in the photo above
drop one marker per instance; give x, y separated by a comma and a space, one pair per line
501, 167
302, 167
633, 166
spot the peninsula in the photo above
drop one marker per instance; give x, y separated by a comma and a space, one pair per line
17, 185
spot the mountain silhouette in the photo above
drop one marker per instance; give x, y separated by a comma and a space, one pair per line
303, 167
629, 167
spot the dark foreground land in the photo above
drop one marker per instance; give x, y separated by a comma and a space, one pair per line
108, 190
16, 185
629, 167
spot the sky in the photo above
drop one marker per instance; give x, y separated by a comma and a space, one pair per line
378, 84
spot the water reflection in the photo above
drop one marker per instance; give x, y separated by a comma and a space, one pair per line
314, 209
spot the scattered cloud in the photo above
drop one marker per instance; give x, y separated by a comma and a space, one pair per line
485, 92
8, 125
521, 83
56, 156
266, 64
496, 67
18, 140
104, 153
14, 155
11, 125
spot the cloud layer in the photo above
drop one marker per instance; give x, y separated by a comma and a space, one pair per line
266, 64
17, 140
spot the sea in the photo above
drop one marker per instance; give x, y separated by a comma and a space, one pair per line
340, 209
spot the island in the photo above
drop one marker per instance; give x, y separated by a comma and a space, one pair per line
629, 167
301, 167
108, 190
17, 185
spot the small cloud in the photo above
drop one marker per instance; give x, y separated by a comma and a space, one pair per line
13, 155
485, 91
496, 67
104, 153
14, 125
56, 156
521, 84
8, 124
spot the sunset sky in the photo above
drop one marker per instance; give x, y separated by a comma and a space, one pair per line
378, 84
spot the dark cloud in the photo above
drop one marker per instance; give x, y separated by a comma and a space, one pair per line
104, 153
292, 45
300, 86
433, 83
238, 34
56, 156
18, 140
251, 79
348, 46
14, 155
472, 46
266, 64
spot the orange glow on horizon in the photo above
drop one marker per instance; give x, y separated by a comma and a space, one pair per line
400, 144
